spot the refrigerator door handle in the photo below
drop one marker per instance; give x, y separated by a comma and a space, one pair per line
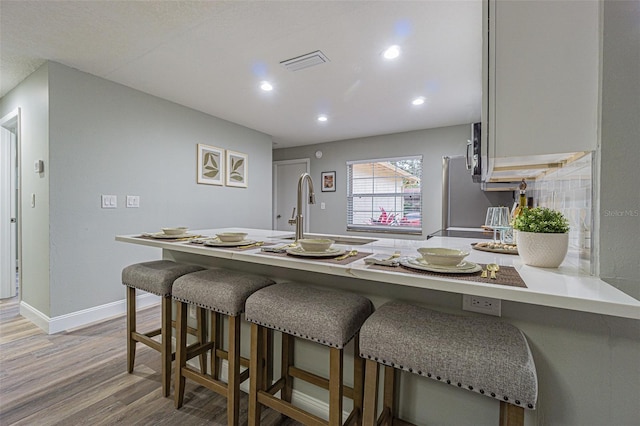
468, 159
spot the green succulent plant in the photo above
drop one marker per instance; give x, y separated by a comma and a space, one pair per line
542, 220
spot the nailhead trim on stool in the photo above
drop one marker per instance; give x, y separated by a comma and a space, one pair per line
328, 317
221, 291
484, 355
154, 277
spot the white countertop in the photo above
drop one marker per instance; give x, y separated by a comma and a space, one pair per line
564, 287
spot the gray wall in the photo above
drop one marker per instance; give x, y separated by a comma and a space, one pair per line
620, 150
104, 138
32, 97
433, 144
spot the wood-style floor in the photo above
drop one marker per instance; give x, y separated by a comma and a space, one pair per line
80, 377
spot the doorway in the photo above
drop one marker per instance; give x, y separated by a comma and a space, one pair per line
285, 189
9, 209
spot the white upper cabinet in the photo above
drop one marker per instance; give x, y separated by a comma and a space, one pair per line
541, 79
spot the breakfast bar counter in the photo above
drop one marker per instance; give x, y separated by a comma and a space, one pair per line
565, 287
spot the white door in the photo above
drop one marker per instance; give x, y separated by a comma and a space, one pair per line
8, 216
285, 189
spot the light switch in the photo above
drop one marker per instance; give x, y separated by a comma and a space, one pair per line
33, 200
109, 201
322, 206
133, 201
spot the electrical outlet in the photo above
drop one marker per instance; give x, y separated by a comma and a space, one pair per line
192, 311
484, 305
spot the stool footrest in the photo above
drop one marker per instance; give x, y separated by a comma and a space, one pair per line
221, 353
290, 410
277, 386
147, 340
319, 381
206, 381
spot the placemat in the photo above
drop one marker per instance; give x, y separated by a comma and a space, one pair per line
235, 248
168, 240
507, 275
332, 260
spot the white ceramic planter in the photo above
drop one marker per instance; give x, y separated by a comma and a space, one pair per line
544, 250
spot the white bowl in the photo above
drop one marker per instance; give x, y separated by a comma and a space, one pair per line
315, 244
231, 237
442, 256
175, 231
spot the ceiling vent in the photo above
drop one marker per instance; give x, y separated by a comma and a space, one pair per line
305, 61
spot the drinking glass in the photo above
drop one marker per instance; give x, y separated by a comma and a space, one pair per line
498, 219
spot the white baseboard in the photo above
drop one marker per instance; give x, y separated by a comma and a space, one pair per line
84, 317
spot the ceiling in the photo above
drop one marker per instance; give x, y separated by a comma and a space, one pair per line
212, 55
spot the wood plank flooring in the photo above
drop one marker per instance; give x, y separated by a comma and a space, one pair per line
80, 377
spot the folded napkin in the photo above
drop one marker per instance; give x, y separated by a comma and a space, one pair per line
384, 262
276, 249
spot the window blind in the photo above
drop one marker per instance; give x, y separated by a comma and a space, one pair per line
385, 195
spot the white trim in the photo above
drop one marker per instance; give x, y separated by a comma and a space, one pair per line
84, 317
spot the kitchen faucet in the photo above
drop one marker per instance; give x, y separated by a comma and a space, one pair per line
298, 219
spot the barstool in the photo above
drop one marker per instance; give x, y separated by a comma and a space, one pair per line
328, 317
154, 277
223, 292
484, 355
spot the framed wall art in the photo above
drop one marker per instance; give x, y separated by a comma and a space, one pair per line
237, 169
328, 181
210, 165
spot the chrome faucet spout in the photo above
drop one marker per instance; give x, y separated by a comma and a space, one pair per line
298, 221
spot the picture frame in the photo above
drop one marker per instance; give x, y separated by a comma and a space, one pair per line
211, 163
237, 168
328, 180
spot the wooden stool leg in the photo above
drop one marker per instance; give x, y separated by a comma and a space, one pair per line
510, 415
256, 376
181, 352
335, 386
287, 361
216, 337
201, 319
131, 328
370, 403
233, 387
358, 376
389, 398
166, 345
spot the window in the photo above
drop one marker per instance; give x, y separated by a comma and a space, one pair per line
385, 195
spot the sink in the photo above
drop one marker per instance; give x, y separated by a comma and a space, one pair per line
339, 239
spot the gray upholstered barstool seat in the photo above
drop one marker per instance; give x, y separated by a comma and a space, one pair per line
483, 355
154, 277
327, 317
223, 292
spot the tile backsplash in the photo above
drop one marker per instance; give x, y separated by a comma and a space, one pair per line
569, 190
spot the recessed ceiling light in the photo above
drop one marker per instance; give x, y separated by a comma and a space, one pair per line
266, 86
322, 118
392, 52
418, 101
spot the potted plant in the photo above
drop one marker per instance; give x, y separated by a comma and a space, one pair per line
543, 236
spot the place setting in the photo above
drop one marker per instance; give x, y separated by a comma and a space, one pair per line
442, 261
179, 233
321, 249
237, 240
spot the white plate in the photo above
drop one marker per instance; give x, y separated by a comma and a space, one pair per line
465, 268
214, 242
162, 235
332, 251
462, 265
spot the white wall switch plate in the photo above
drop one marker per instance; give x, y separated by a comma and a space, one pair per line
109, 201
133, 201
484, 305
322, 206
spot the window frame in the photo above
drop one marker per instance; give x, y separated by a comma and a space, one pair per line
394, 227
